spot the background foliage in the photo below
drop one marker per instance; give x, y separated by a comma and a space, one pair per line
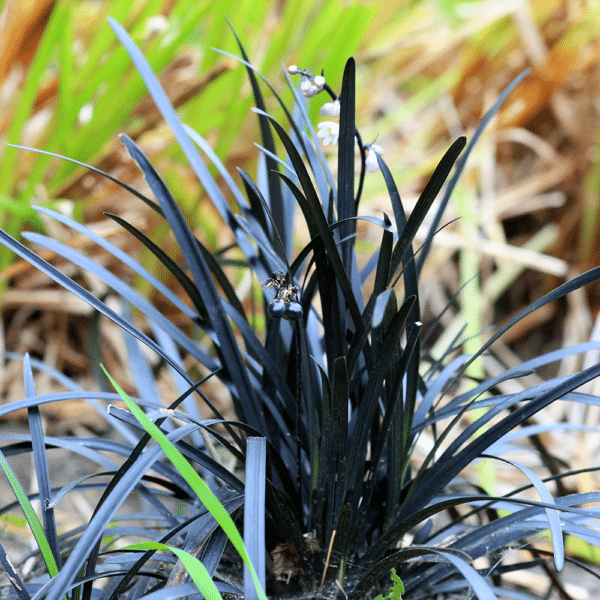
426, 73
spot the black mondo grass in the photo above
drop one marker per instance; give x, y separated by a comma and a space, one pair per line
332, 398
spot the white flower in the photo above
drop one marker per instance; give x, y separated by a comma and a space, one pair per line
293, 69
328, 132
330, 109
312, 92
319, 81
309, 89
371, 162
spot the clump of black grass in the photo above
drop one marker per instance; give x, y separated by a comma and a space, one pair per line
335, 385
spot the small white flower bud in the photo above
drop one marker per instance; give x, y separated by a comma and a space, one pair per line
371, 162
330, 109
312, 91
319, 81
293, 69
328, 132
305, 85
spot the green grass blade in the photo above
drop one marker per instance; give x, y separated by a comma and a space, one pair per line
203, 492
32, 518
195, 568
26, 101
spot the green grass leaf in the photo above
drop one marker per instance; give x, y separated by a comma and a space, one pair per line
32, 518
203, 492
195, 568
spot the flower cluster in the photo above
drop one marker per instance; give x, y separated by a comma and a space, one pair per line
329, 131
310, 85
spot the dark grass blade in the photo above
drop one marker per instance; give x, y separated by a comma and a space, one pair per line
327, 265
140, 368
190, 403
381, 569
318, 171
411, 288
254, 196
460, 165
335, 440
577, 282
271, 368
212, 550
254, 513
321, 498
131, 190
18, 587
318, 166
117, 284
345, 188
512, 527
168, 112
379, 288
188, 450
318, 226
216, 161
363, 418
206, 541
121, 473
383, 262
186, 144
203, 525
81, 447
121, 255
315, 219
188, 285
41, 463
552, 515
26, 403
310, 407
275, 262
275, 198
532, 364
281, 103
82, 293
476, 537
447, 467
429, 194
395, 415
231, 358
59, 585
435, 388
498, 405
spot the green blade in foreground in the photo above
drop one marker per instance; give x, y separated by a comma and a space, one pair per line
203, 492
